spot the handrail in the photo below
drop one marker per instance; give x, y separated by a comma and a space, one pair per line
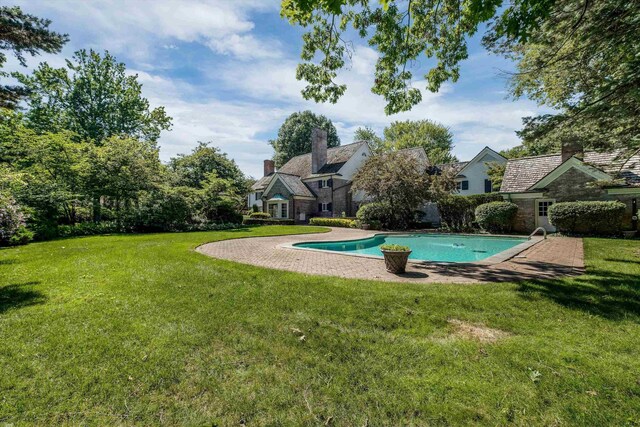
544, 232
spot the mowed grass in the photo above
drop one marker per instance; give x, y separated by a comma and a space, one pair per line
141, 329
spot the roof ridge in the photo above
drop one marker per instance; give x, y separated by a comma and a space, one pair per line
329, 148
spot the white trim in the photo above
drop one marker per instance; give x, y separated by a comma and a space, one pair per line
548, 226
572, 162
485, 150
620, 191
273, 180
279, 208
318, 177
303, 198
509, 196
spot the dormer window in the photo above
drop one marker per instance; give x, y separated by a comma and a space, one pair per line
325, 183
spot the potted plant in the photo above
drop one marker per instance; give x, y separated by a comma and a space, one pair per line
395, 257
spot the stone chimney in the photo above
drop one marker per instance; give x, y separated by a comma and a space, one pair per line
571, 148
269, 167
318, 149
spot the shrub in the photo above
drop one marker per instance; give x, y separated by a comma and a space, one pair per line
375, 213
496, 217
22, 236
268, 221
458, 212
333, 222
12, 223
594, 218
255, 208
259, 215
395, 248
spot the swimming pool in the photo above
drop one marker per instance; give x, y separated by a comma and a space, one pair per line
425, 247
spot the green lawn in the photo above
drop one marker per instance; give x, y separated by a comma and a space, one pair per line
140, 329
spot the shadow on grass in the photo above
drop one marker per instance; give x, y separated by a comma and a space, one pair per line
605, 293
19, 295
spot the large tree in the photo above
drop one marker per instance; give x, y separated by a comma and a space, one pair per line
435, 138
193, 170
294, 136
402, 31
94, 97
583, 61
22, 33
401, 184
366, 133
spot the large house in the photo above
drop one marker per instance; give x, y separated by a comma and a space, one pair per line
536, 183
319, 183
313, 184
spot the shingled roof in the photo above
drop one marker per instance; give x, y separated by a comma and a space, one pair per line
521, 174
336, 158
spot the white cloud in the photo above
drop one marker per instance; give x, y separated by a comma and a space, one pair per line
126, 25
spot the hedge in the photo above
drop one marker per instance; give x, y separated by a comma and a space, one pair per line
590, 218
496, 217
268, 221
333, 222
458, 212
259, 215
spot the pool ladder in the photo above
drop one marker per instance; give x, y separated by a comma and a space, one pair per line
544, 232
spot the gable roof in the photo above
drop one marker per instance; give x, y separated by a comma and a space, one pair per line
523, 173
336, 158
459, 167
293, 183
301, 165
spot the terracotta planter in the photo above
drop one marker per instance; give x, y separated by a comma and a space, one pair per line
396, 261
365, 226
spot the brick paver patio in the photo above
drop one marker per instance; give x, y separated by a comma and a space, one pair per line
551, 258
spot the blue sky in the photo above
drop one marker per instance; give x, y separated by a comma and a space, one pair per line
225, 72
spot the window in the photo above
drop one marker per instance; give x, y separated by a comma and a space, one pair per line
325, 207
325, 183
543, 208
462, 185
283, 210
273, 209
488, 187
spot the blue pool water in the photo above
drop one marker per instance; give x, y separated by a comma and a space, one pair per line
426, 247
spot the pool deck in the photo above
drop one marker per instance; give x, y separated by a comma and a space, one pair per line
551, 258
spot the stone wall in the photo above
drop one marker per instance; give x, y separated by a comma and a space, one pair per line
572, 186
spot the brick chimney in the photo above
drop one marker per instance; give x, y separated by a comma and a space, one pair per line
269, 167
318, 149
571, 148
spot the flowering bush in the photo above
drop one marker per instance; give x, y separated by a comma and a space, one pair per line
12, 223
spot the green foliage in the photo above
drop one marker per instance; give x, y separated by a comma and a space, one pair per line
588, 218
402, 32
93, 97
192, 169
22, 34
457, 213
582, 62
259, 215
496, 217
376, 144
401, 185
376, 214
294, 136
394, 248
495, 171
435, 138
12, 221
22, 236
255, 208
333, 222
268, 221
